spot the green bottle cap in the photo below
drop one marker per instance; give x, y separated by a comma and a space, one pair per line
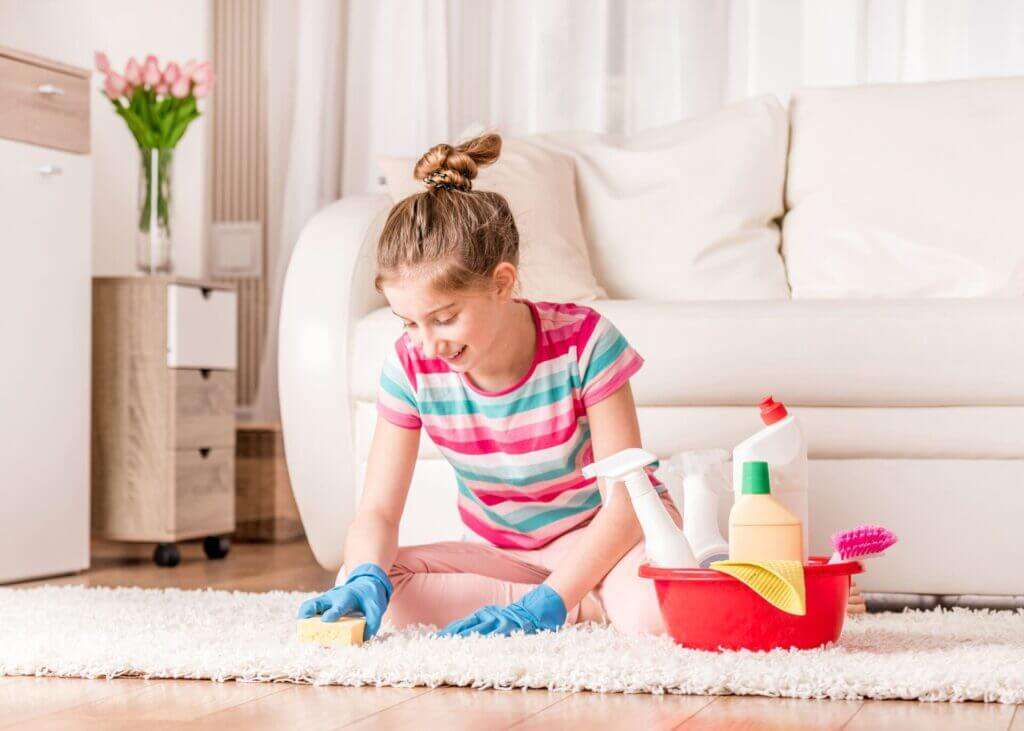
755, 478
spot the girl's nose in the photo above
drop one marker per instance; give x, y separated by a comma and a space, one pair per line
429, 346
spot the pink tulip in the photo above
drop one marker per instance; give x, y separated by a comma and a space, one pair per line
162, 88
102, 62
151, 72
202, 90
132, 73
180, 88
203, 73
171, 73
151, 59
115, 85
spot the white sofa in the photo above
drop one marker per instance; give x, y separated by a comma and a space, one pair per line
908, 378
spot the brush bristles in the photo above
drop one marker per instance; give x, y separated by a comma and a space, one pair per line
863, 540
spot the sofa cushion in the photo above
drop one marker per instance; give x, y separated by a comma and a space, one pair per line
686, 211
906, 190
807, 353
539, 186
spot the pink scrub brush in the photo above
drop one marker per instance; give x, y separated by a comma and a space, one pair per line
864, 541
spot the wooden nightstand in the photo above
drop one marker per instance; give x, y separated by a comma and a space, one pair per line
163, 412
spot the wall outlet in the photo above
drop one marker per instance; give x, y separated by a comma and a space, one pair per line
236, 249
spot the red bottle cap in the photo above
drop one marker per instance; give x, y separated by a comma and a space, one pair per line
772, 410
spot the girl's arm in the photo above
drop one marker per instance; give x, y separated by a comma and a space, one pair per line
373, 535
615, 529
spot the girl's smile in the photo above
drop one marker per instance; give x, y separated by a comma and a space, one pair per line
457, 357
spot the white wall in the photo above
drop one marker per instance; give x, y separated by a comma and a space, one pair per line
69, 31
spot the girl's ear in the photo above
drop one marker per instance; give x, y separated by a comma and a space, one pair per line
504, 277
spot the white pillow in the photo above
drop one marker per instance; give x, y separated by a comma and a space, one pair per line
686, 211
540, 189
907, 190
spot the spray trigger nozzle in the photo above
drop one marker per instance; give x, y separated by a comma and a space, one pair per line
620, 464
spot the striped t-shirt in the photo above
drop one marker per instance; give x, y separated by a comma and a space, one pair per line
518, 453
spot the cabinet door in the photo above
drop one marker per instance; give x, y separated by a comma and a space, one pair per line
202, 327
45, 337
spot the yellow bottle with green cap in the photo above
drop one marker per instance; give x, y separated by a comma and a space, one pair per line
760, 527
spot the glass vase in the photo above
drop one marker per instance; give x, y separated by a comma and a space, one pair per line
153, 237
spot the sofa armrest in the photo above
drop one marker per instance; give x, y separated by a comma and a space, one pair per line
328, 287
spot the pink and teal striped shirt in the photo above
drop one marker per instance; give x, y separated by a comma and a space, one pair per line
518, 453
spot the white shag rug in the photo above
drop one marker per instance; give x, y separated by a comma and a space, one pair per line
939, 655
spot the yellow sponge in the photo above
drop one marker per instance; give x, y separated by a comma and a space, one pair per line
346, 631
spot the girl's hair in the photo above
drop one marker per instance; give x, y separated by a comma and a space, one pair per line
456, 235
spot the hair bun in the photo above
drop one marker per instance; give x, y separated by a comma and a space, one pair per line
447, 167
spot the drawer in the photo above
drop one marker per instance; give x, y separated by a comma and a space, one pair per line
203, 498
202, 326
203, 408
42, 106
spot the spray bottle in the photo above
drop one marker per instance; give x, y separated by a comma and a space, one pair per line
665, 544
703, 478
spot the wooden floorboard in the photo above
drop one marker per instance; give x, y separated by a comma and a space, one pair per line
310, 708
596, 711
26, 699
58, 703
781, 714
462, 709
899, 715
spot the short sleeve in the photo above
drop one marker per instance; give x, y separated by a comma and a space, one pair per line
396, 397
606, 360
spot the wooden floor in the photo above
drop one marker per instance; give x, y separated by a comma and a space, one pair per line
48, 703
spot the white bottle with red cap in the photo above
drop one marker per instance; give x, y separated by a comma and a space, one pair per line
781, 444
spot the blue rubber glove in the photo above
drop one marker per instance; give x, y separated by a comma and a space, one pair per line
367, 589
539, 609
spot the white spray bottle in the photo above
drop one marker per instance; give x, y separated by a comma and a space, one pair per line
703, 478
665, 544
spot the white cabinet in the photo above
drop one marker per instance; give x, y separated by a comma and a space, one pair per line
45, 336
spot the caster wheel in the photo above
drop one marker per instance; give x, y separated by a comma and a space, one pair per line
216, 546
167, 555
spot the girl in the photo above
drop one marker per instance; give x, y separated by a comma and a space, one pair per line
518, 396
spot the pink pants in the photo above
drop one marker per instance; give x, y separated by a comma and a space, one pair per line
437, 583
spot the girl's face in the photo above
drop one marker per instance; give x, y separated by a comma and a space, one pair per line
458, 327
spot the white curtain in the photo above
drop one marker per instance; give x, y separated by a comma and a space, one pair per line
356, 79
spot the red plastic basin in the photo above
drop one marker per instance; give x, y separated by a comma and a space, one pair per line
707, 610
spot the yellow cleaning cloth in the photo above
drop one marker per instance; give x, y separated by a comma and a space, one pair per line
780, 583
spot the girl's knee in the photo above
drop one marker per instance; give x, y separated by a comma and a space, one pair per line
409, 560
422, 559
630, 602
645, 619
637, 611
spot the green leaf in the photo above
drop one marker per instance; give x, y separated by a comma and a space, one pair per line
149, 108
179, 129
138, 130
167, 122
162, 107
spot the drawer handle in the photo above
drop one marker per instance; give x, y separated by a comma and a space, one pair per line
50, 170
206, 291
50, 90
204, 452
205, 373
